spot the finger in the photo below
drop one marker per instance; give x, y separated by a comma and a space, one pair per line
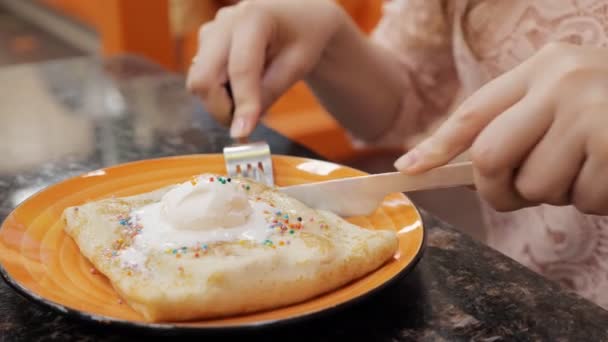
225, 12
285, 70
499, 191
460, 130
590, 191
245, 68
219, 104
549, 171
502, 146
208, 72
209, 66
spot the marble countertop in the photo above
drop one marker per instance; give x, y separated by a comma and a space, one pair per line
63, 118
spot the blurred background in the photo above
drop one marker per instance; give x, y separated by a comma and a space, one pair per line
165, 32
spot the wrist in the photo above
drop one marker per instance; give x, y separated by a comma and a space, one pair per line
345, 40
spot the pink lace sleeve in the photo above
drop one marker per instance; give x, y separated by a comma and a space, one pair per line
418, 32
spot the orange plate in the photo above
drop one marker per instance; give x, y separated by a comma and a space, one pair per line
43, 263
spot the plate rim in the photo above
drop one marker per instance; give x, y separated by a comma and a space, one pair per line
180, 327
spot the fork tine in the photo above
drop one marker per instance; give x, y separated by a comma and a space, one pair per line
257, 175
268, 172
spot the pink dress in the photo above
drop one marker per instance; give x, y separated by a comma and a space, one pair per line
448, 49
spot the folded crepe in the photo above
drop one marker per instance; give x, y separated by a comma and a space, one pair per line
214, 247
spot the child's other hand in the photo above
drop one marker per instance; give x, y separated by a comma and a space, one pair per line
538, 134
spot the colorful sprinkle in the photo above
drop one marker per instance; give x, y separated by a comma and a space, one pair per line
299, 219
211, 179
196, 255
281, 243
291, 231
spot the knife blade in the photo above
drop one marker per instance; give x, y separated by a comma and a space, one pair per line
362, 195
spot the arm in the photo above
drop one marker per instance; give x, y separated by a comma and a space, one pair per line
398, 82
366, 83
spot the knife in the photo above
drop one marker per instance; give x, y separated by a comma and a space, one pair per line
362, 195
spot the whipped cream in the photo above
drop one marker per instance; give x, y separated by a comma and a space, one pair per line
200, 212
205, 205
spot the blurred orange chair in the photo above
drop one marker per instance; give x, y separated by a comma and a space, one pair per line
134, 26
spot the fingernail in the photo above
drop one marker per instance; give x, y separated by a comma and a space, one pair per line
238, 128
407, 161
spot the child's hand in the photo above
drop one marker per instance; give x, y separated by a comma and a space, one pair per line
539, 133
262, 47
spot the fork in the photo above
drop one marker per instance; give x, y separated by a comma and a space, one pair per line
250, 160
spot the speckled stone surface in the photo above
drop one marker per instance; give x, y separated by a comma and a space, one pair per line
130, 109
